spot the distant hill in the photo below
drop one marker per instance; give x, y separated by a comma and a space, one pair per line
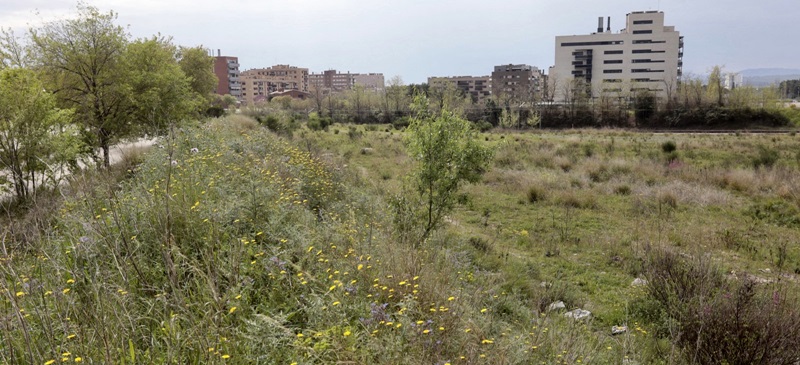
768, 76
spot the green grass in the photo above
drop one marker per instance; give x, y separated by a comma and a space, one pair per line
255, 248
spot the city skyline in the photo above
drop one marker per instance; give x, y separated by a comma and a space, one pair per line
418, 39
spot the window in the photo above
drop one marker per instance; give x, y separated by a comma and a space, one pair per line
636, 22
612, 71
639, 70
611, 61
647, 41
613, 52
597, 43
612, 80
646, 61
646, 51
647, 31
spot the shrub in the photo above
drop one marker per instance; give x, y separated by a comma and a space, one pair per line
669, 147
719, 321
767, 157
622, 190
535, 194
354, 133
400, 123
483, 126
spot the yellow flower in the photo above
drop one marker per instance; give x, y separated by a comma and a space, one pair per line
70, 281
336, 303
65, 291
346, 333
78, 359
484, 310
233, 309
426, 331
19, 293
49, 362
226, 356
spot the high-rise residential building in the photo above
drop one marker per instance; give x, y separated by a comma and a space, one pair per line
521, 82
732, 80
645, 56
227, 70
331, 80
478, 88
258, 83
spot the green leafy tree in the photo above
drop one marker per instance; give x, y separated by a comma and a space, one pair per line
198, 66
33, 140
447, 154
82, 59
160, 92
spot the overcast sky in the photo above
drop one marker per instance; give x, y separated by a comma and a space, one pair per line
419, 38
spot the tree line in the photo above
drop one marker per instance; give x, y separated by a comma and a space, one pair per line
693, 102
72, 88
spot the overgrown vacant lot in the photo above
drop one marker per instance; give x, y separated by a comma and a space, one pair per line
233, 245
578, 215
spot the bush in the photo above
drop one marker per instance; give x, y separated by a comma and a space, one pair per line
720, 321
669, 147
400, 123
317, 123
767, 157
535, 194
483, 126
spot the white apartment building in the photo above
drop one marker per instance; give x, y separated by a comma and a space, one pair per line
645, 56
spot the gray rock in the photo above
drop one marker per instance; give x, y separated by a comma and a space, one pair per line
367, 151
618, 330
556, 306
639, 282
578, 314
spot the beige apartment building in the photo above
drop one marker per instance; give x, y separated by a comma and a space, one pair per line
644, 56
258, 83
331, 80
517, 82
372, 81
478, 88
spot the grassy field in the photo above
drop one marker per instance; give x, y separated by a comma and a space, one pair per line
573, 215
229, 244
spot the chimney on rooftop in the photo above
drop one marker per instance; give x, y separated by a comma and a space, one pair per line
219, 53
600, 25
609, 25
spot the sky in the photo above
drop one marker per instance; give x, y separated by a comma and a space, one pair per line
415, 39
